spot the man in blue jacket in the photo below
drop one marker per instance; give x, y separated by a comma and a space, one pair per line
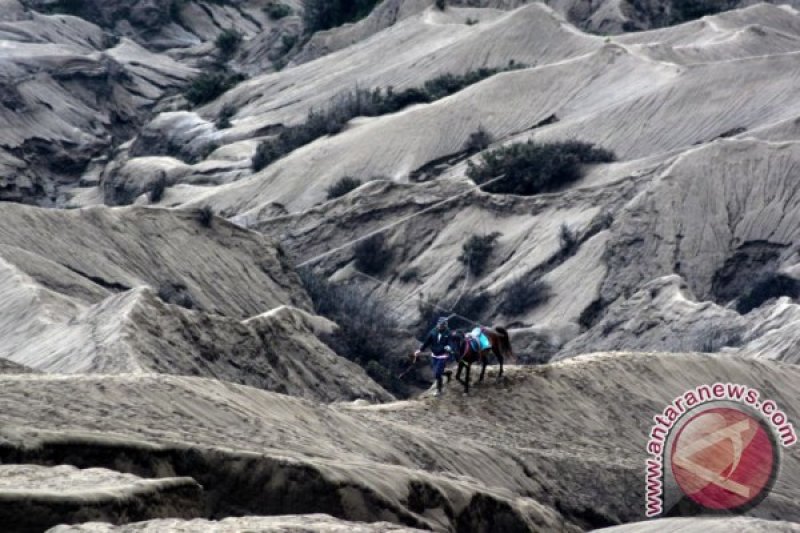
440, 342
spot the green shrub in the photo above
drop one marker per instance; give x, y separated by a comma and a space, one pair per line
205, 216
366, 328
325, 14
412, 274
477, 251
67, 7
767, 287
686, 10
277, 11
471, 306
175, 293
373, 254
386, 377
718, 338
157, 191
531, 168
478, 141
465, 312
228, 42
287, 42
225, 115
428, 314
175, 9
366, 103
523, 295
266, 152
343, 186
568, 240
210, 86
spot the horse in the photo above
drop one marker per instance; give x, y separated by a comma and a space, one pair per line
467, 354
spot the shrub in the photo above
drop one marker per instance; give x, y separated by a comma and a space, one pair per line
209, 86
412, 274
157, 191
373, 254
718, 338
523, 295
325, 14
568, 240
277, 11
228, 42
476, 252
288, 42
317, 124
472, 306
175, 294
266, 152
364, 103
366, 325
531, 168
428, 313
447, 84
67, 7
386, 378
175, 8
685, 10
478, 141
343, 186
767, 287
205, 216
467, 311
225, 115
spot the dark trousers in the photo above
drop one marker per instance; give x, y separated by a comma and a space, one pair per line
439, 366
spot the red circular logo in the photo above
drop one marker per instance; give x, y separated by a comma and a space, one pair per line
723, 458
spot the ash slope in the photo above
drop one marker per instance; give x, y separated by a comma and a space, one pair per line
105, 291
703, 184
32, 498
279, 524
523, 454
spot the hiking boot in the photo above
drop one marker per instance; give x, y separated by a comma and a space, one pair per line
437, 393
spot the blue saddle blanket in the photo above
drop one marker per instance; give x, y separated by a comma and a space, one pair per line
480, 341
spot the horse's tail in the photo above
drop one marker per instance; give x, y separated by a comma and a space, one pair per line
504, 341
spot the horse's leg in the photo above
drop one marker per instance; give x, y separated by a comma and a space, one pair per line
458, 372
466, 381
500, 360
484, 362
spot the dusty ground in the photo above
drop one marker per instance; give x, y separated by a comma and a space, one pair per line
530, 452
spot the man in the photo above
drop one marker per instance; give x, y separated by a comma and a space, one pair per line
440, 342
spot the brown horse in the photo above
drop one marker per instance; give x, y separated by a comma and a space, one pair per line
468, 354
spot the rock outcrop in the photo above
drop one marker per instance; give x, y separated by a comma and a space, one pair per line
33, 498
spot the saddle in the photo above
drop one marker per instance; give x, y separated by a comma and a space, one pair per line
478, 340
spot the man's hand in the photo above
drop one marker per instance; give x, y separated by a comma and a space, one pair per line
416, 354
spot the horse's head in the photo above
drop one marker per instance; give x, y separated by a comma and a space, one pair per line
459, 342
463, 343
